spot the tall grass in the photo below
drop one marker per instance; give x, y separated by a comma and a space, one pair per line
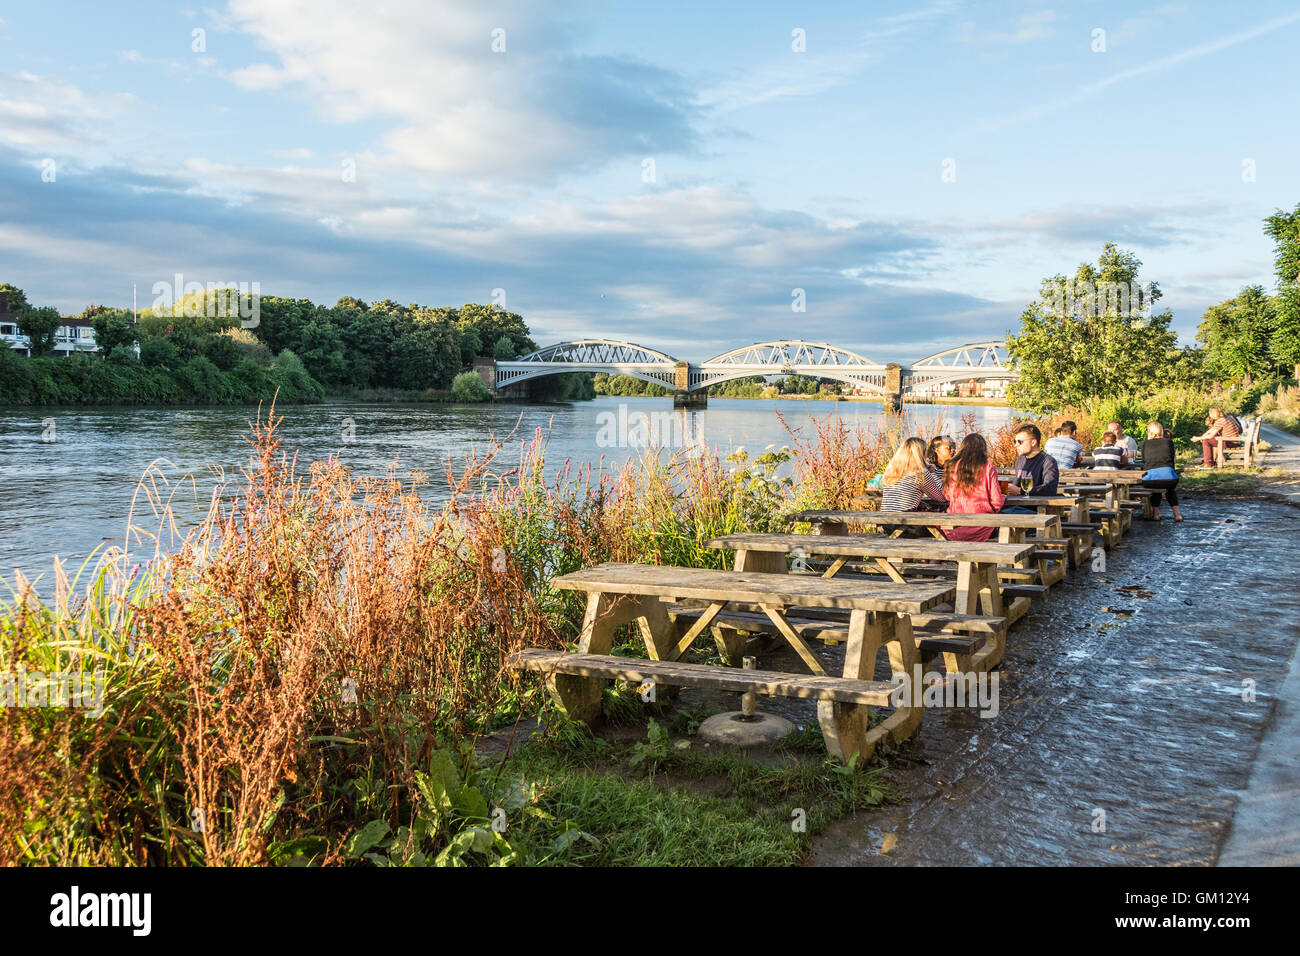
308, 669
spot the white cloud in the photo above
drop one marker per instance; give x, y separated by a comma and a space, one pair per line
1154, 66
1028, 28
457, 108
40, 113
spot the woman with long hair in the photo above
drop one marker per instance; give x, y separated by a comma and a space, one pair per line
971, 485
907, 481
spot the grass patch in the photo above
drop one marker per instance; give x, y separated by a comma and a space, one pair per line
1228, 481
662, 802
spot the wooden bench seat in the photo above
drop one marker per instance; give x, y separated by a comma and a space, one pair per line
929, 642
674, 673
1024, 590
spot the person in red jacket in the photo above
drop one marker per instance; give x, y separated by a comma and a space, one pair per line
970, 483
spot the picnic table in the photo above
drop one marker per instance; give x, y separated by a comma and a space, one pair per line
879, 614
1047, 561
977, 565
1074, 511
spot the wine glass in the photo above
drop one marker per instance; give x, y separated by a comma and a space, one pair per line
1026, 484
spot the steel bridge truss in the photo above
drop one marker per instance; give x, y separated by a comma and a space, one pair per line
983, 360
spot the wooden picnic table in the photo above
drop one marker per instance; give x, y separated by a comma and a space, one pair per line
879, 614
977, 562
1011, 529
1117, 500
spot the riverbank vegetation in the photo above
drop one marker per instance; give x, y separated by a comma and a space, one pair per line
350, 737
198, 351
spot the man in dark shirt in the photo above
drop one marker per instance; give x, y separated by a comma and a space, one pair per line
1033, 463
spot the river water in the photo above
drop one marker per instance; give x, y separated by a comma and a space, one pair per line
68, 476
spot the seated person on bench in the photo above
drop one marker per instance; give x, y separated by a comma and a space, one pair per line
1036, 471
908, 484
1109, 455
1063, 446
971, 487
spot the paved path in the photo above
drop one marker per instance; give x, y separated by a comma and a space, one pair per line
1265, 830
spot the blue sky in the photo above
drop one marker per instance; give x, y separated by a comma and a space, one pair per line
527, 169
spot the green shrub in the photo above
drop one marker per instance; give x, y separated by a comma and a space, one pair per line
470, 387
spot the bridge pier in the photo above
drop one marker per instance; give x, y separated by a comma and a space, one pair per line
683, 397
486, 367
893, 397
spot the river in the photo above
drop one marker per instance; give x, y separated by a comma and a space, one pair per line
68, 476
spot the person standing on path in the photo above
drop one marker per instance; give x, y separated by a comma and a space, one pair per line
1160, 476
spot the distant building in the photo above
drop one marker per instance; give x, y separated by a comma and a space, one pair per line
74, 335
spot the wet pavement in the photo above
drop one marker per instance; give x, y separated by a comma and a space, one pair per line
1140, 716
1121, 738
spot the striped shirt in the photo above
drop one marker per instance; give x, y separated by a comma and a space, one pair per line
1228, 426
1107, 457
1064, 449
906, 493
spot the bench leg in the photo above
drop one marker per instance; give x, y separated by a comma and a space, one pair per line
767, 562
984, 597
731, 645
844, 726
579, 697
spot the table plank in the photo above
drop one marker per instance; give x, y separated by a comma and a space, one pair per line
921, 519
870, 545
755, 587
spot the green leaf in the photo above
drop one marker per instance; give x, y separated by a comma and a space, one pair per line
366, 837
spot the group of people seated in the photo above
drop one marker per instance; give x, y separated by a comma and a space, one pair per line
960, 479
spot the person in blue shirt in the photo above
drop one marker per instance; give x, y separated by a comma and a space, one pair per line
1064, 446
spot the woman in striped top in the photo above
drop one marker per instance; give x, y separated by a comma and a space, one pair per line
907, 480
1109, 456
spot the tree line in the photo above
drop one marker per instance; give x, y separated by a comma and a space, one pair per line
198, 351
1083, 341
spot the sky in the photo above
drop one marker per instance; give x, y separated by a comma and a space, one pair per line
667, 174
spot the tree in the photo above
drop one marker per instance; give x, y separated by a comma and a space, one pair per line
427, 356
40, 326
14, 297
113, 327
1284, 229
1092, 335
1238, 334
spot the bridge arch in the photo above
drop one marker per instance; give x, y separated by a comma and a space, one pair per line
611, 356
961, 363
790, 357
